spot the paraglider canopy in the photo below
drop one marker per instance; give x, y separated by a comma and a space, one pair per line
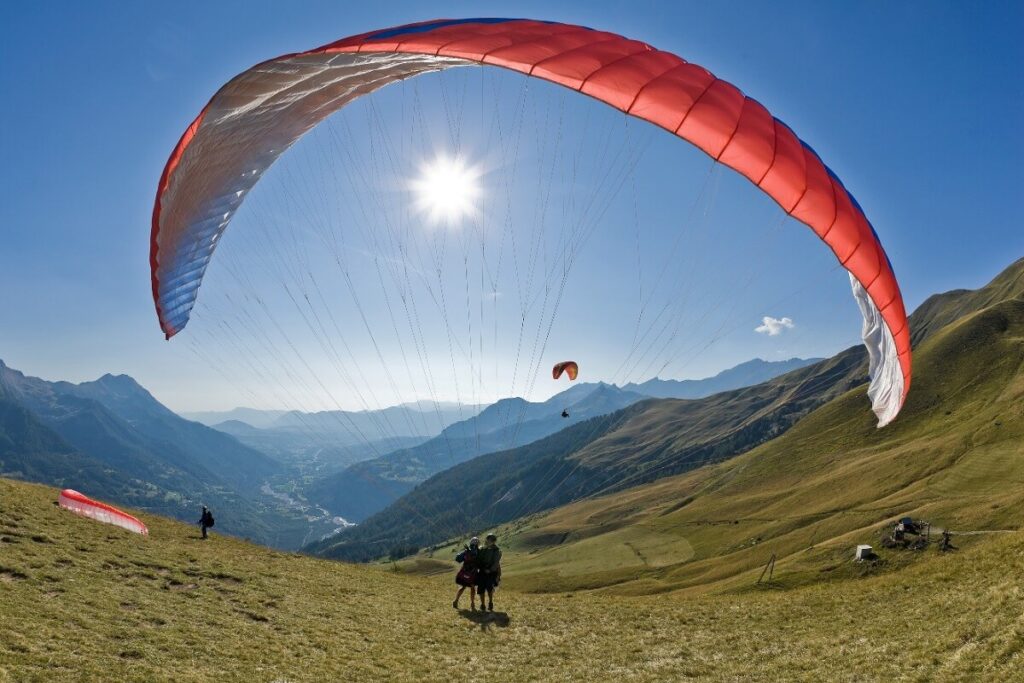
87, 507
260, 113
567, 367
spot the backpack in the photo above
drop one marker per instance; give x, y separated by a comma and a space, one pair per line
209, 519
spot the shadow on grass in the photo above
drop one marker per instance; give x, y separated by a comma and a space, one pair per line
486, 619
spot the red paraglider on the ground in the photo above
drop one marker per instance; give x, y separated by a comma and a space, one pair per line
87, 507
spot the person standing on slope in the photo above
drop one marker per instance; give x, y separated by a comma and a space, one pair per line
489, 570
205, 520
466, 578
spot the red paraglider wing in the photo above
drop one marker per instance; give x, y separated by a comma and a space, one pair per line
256, 116
70, 499
569, 367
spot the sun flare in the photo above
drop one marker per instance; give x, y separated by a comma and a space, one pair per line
447, 189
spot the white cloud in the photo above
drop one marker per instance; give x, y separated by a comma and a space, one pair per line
773, 326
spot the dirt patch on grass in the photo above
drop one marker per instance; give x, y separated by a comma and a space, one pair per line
254, 616
10, 575
174, 585
539, 540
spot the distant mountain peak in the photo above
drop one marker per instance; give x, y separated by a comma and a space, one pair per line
123, 382
235, 427
122, 385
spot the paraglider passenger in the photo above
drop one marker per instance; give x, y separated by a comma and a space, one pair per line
205, 520
466, 578
489, 571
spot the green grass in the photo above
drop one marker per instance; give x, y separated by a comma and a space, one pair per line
82, 601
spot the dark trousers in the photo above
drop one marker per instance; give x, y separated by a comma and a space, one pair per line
204, 528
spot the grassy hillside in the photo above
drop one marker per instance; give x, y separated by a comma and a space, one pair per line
82, 601
942, 309
955, 456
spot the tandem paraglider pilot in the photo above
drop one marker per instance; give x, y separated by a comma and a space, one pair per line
488, 571
205, 520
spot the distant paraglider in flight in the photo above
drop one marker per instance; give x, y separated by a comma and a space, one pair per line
259, 114
87, 507
568, 367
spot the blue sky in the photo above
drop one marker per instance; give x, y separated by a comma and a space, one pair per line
916, 106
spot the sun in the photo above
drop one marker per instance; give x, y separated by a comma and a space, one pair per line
447, 189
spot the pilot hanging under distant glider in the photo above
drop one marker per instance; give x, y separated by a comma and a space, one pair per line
570, 368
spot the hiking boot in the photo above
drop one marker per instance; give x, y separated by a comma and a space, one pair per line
490, 606
455, 604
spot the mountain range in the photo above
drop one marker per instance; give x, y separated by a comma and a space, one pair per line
278, 483
607, 449
743, 375
324, 442
345, 427
110, 437
369, 486
656, 439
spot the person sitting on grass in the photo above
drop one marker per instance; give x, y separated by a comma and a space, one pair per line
489, 571
466, 578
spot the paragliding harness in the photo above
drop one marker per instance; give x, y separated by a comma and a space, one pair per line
205, 520
490, 576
